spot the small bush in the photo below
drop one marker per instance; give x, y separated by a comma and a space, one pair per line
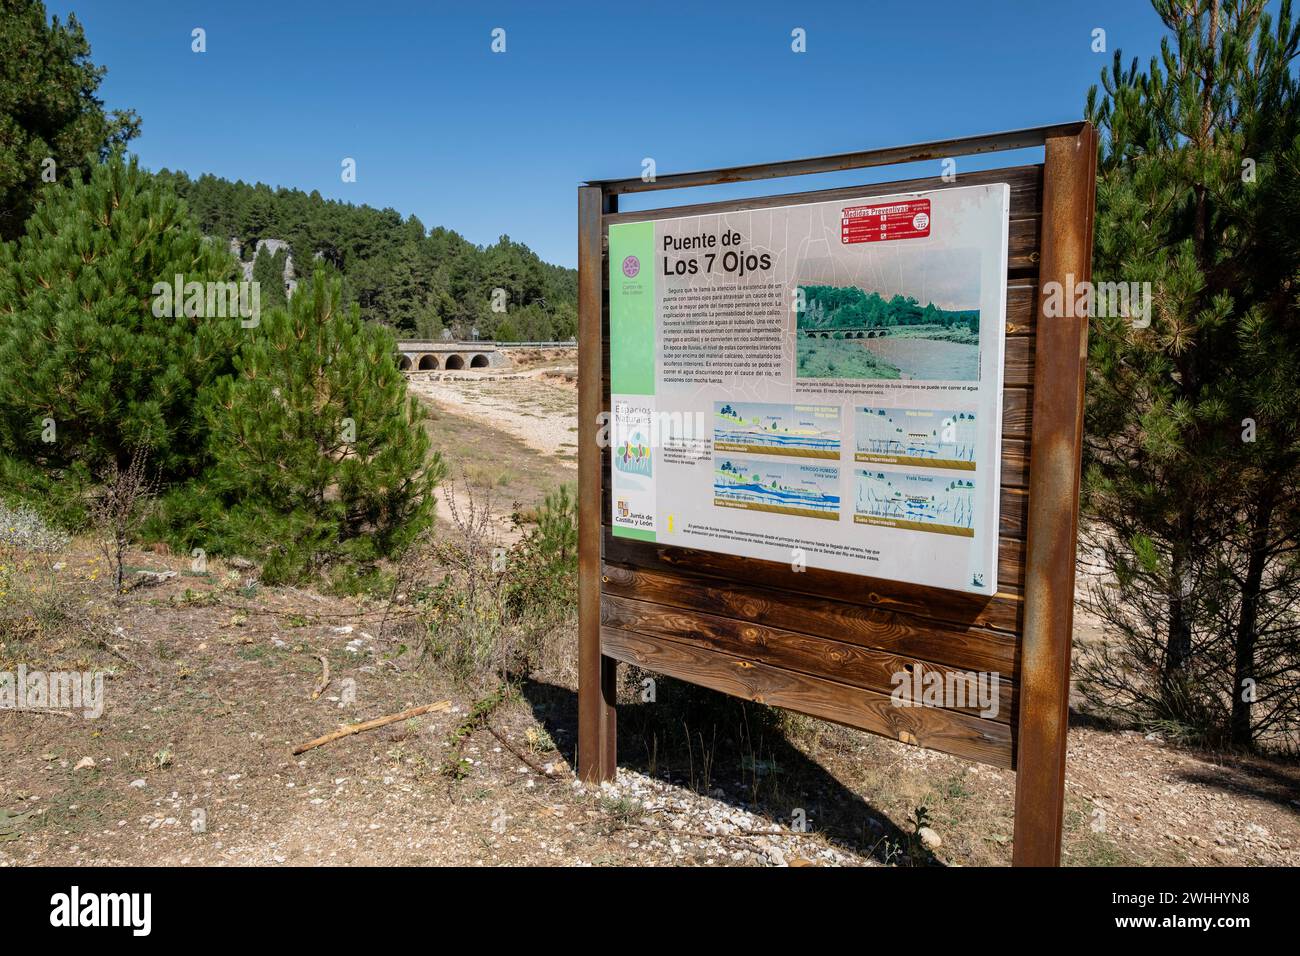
22, 528
319, 458
543, 581
88, 371
59, 496
37, 604
485, 617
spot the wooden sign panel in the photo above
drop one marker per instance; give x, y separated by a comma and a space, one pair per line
829, 643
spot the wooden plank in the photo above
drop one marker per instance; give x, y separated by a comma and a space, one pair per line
862, 159
1015, 463
944, 730
1017, 412
594, 713
1000, 612
1011, 565
851, 664
1070, 178
1022, 306
965, 648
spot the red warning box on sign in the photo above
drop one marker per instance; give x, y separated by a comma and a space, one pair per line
899, 220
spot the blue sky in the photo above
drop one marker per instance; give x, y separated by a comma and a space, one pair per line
488, 143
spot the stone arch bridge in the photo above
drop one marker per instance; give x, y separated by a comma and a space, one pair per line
448, 356
863, 333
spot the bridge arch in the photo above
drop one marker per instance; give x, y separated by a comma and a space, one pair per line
428, 362
404, 362
454, 362
478, 361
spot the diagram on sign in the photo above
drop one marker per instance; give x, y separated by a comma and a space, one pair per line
911, 502
799, 431
777, 487
633, 455
913, 436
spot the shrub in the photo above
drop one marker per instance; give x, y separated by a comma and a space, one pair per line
485, 616
543, 581
318, 456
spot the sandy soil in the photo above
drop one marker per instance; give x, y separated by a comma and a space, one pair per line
539, 408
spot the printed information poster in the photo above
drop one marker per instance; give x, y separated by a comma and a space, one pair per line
817, 384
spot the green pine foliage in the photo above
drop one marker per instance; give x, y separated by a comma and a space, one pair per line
415, 280
543, 584
87, 370
1192, 448
268, 272
51, 122
320, 461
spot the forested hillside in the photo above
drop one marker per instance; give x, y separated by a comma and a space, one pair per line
417, 280
836, 307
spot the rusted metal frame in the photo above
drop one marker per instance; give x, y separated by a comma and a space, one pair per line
965, 146
595, 719
1069, 184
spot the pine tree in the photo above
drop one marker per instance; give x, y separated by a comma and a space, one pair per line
88, 369
1192, 448
268, 273
319, 455
50, 118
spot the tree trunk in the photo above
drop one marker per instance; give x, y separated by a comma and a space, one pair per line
1247, 621
1178, 643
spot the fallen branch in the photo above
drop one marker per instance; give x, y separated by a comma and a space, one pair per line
371, 725
516, 751
147, 579
324, 677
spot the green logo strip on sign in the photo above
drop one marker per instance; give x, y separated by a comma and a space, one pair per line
632, 308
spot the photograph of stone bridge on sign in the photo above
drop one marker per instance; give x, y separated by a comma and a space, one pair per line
449, 356
863, 333
909, 336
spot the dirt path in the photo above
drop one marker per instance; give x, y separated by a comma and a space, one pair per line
191, 762
514, 439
